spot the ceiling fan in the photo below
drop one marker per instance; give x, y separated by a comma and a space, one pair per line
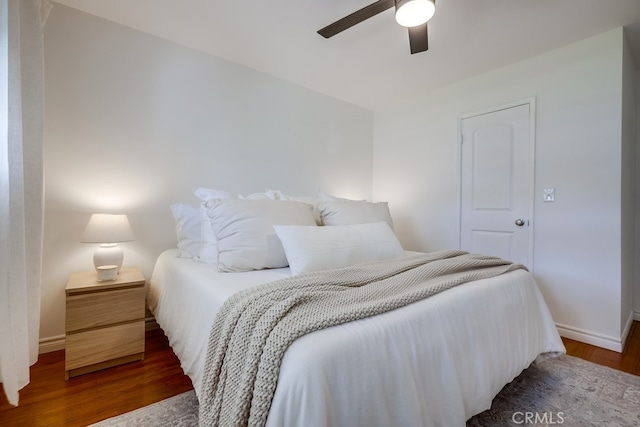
412, 14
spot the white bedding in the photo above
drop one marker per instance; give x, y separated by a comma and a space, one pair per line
436, 362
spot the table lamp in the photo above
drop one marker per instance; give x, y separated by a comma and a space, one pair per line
108, 230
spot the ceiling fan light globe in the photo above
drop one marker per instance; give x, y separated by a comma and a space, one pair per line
411, 13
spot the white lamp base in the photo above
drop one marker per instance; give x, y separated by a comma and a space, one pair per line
108, 254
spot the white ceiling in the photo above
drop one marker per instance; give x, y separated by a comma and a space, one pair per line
370, 64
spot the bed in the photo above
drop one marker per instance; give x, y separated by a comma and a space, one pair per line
434, 362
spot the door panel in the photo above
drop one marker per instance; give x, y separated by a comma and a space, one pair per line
491, 183
495, 184
493, 242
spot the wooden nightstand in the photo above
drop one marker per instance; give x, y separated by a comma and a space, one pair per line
105, 321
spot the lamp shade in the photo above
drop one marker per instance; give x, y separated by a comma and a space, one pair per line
411, 13
107, 228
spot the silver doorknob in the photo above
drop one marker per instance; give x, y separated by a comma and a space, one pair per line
519, 222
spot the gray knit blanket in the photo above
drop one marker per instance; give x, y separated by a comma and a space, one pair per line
255, 327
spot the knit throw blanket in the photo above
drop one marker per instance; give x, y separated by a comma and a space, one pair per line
255, 327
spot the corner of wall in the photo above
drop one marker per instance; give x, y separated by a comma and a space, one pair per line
635, 118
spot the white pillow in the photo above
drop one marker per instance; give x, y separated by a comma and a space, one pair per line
314, 201
324, 197
188, 229
205, 194
354, 212
245, 234
268, 194
209, 247
323, 248
309, 200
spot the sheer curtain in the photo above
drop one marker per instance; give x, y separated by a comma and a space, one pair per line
21, 187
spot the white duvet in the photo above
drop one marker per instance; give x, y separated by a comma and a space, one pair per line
436, 362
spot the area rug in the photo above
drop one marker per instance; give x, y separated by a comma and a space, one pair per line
563, 391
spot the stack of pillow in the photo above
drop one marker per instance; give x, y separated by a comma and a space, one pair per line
273, 230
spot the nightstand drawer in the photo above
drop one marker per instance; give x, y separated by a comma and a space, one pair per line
91, 310
90, 347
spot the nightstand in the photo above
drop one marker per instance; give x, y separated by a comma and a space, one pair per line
105, 321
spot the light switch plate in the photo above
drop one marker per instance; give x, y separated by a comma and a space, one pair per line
549, 195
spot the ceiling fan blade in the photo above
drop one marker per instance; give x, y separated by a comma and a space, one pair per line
418, 38
356, 18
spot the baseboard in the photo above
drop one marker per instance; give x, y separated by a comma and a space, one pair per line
626, 330
150, 324
47, 345
599, 340
636, 316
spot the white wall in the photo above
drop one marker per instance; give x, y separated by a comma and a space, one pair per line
134, 123
636, 289
629, 187
577, 257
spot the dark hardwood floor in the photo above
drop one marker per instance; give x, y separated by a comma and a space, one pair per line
51, 401
627, 361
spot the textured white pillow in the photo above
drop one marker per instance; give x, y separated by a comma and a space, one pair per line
245, 234
354, 212
188, 229
323, 248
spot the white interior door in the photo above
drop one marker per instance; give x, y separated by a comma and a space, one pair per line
496, 184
